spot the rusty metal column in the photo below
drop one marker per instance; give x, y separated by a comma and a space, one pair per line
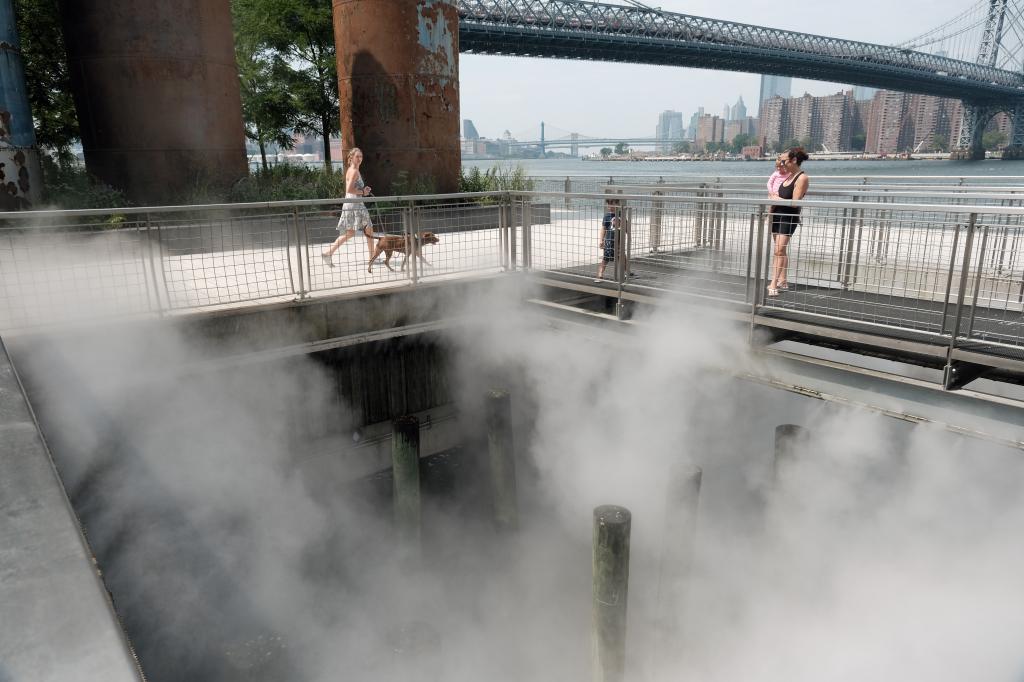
21, 178
157, 94
398, 82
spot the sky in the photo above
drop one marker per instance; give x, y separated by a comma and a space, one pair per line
624, 100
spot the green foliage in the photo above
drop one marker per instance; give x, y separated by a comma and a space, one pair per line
294, 39
71, 187
496, 179
287, 182
46, 75
406, 184
993, 140
268, 108
621, 148
606, 152
859, 141
682, 147
740, 141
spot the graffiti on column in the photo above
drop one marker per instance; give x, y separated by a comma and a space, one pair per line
16, 176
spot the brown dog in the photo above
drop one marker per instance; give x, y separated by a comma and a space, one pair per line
390, 243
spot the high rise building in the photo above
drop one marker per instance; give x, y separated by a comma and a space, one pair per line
710, 129
691, 131
738, 111
669, 130
862, 92
816, 122
726, 113
886, 129
774, 86
773, 122
469, 130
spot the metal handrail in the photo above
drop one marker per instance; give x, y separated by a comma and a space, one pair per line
805, 203
194, 208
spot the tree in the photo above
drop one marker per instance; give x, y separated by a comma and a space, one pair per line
621, 148
268, 109
993, 140
742, 140
858, 142
46, 75
940, 143
682, 147
606, 152
299, 36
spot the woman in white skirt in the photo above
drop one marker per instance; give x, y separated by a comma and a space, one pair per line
353, 215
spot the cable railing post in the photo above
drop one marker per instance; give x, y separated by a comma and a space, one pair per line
527, 236
300, 291
977, 280
759, 264
965, 272
750, 256
411, 235
512, 235
503, 222
153, 262
949, 278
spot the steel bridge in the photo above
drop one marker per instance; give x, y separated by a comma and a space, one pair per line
571, 29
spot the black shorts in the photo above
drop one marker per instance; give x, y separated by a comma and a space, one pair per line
608, 247
785, 223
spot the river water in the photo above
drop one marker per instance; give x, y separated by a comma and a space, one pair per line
710, 169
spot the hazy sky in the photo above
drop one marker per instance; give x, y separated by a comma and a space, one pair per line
601, 98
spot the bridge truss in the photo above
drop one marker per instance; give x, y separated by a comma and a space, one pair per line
570, 29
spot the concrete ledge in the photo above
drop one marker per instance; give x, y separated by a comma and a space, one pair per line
58, 623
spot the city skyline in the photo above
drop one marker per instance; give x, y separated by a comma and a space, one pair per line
601, 98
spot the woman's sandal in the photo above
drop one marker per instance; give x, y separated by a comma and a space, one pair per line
772, 291
327, 260
783, 287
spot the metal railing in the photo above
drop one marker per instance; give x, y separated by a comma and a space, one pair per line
945, 272
64, 266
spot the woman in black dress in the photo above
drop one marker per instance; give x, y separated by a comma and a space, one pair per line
785, 219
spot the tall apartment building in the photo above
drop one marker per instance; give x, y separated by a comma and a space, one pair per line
774, 86
773, 121
887, 129
669, 130
739, 126
710, 129
831, 122
814, 121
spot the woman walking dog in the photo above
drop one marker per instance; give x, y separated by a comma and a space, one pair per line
353, 214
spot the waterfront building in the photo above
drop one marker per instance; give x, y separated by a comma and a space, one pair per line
469, 130
886, 129
710, 130
817, 122
773, 122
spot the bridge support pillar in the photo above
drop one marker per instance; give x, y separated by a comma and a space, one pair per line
157, 95
398, 84
972, 126
1015, 150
